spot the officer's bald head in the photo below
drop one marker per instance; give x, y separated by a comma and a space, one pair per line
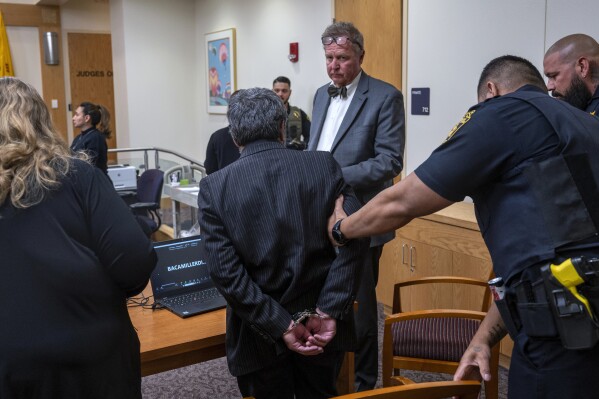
509, 73
572, 48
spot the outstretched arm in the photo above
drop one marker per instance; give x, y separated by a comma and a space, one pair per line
390, 209
475, 362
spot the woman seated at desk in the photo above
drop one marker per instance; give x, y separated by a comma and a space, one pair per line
70, 254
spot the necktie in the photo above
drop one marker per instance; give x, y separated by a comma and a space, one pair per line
337, 91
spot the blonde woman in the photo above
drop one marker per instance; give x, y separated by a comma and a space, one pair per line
70, 254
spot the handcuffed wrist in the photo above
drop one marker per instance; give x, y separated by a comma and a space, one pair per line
292, 325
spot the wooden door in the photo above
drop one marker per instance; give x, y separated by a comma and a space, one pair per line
380, 21
90, 61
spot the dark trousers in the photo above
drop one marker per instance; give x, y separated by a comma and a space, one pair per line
366, 320
543, 369
295, 376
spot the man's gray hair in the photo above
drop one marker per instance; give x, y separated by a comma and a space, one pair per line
346, 29
256, 114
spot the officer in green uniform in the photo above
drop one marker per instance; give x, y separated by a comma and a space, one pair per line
298, 124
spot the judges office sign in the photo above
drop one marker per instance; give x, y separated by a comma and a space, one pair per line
93, 74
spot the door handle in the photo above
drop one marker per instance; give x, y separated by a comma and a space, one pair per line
403, 253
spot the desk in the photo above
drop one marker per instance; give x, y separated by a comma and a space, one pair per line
187, 195
168, 342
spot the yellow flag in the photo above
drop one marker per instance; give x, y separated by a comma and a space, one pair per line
5, 60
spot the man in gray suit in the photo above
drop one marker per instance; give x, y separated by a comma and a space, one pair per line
290, 296
360, 120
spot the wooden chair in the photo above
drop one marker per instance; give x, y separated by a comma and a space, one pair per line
425, 390
433, 340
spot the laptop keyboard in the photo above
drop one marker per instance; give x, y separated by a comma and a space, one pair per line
193, 297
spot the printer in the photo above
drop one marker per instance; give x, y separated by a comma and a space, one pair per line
124, 177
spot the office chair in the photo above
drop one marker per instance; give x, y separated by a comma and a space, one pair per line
149, 192
433, 340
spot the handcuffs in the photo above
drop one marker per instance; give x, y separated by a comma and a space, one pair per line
298, 317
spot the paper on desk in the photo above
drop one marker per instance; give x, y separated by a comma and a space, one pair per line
189, 188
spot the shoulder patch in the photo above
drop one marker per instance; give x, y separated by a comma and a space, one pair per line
461, 123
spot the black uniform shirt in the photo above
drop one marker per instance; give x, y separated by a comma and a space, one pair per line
593, 106
492, 139
484, 157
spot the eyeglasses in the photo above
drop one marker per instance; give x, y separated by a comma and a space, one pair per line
340, 40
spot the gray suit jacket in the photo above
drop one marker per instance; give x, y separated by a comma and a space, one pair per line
264, 224
370, 142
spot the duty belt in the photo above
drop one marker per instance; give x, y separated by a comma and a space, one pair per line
563, 302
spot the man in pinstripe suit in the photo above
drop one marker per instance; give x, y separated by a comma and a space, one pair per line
263, 220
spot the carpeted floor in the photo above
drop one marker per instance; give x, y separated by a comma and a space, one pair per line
211, 380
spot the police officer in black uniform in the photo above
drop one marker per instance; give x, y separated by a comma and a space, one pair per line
530, 164
572, 68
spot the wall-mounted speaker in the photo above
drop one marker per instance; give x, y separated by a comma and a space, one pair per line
51, 48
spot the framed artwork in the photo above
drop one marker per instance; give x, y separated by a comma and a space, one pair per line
220, 68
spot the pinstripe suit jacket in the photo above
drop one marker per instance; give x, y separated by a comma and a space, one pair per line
370, 142
264, 224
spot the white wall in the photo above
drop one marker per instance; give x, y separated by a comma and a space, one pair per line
25, 54
264, 30
571, 16
160, 65
449, 42
155, 73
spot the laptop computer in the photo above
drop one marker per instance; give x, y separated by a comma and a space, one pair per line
181, 281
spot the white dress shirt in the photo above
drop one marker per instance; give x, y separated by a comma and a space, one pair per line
335, 114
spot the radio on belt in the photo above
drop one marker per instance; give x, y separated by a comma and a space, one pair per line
497, 287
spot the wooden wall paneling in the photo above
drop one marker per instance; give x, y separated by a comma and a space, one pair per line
90, 61
21, 14
53, 84
388, 275
448, 236
46, 19
380, 21
429, 261
468, 266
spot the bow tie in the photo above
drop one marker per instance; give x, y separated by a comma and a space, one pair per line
337, 91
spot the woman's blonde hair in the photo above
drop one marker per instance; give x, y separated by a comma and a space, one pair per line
33, 156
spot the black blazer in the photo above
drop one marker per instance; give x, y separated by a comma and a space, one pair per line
264, 223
